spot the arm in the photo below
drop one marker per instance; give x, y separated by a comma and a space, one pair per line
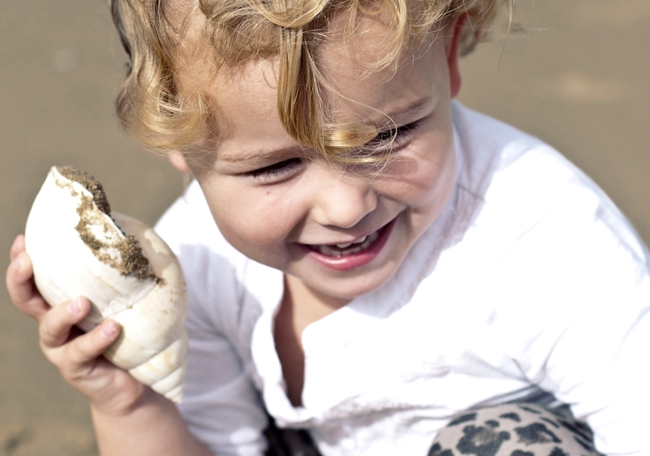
151, 426
129, 418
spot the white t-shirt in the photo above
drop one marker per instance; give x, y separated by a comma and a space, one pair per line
530, 280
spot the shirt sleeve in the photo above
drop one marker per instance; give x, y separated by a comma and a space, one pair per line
580, 307
221, 405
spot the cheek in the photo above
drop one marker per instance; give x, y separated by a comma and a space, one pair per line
252, 220
424, 177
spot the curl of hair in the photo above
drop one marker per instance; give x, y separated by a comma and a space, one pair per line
152, 108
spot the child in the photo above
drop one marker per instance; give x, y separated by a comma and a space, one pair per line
383, 259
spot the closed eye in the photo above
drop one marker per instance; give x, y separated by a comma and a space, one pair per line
276, 171
393, 138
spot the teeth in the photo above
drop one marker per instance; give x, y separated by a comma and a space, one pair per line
329, 251
359, 245
348, 244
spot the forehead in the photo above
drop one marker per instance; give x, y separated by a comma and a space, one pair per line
244, 98
360, 89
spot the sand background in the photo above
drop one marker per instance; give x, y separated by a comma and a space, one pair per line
578, 78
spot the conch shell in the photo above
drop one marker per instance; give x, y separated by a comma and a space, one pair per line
79, 248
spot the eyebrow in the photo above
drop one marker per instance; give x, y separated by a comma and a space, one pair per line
262, 156
408, 109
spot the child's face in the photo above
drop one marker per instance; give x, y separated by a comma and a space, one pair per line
291, 214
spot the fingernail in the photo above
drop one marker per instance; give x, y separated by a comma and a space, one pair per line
75, 306
109, 328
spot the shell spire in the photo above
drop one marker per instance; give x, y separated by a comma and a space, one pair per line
78, 247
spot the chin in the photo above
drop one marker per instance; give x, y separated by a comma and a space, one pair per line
349, 288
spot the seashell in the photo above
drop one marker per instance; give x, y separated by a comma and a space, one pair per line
79, 248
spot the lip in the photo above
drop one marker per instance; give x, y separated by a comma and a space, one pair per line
355, 260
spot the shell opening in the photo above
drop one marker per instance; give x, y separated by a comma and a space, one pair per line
120, 252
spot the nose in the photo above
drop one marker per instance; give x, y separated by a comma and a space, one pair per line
342, 199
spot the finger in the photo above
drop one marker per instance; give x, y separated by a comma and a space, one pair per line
17, 247
91, 345
21, 287
55, 325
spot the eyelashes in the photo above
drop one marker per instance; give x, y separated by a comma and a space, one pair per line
276, 171
385, 142
391, 139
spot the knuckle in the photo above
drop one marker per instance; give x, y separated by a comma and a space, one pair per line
53, 327
71, 359
45, 332
87, 347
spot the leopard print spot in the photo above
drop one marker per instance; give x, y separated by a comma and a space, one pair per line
511, 416
522, 453
463, 419
536, 433
481, 441
437, 450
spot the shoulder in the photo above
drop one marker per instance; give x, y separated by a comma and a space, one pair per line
543, 231
522, 181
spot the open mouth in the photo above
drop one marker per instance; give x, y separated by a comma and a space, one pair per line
349, 248
351, 255
359, 247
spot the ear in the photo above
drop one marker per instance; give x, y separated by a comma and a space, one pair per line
451, 48
178, 161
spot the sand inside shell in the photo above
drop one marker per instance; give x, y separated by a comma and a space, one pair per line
132, 261
90, 183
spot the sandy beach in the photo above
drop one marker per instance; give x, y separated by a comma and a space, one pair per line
576, 76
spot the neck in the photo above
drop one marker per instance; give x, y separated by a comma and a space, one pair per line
309, 304
300, 307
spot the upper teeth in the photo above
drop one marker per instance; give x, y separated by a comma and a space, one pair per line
348, 244
347, 248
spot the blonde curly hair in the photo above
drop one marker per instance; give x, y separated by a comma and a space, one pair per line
153, 109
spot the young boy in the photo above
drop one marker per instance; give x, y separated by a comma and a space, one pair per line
383, 259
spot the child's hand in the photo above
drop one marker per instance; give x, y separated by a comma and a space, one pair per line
75, 354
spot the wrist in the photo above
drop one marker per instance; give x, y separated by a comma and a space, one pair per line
124, 401
148, 426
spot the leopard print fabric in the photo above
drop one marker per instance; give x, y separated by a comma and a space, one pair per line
502, 430
514, 430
